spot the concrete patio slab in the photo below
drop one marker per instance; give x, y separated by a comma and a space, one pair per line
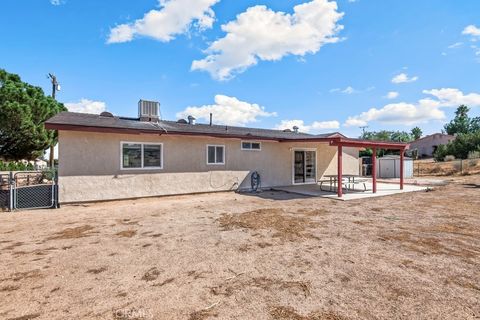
383, 189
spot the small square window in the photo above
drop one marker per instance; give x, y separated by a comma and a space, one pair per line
215, 154
248, 145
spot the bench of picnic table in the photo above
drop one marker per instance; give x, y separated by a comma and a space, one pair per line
345, 182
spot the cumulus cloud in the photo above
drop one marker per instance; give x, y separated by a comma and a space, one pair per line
403, 78
316, 126
260, 33
86, 106
173, 18
397, 113
471, 30
426, 109
228, 111
392, 95
451, 97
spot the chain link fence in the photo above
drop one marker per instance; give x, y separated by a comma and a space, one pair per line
446, 168
28, 190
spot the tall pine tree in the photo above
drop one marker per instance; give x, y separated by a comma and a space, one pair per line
23, 111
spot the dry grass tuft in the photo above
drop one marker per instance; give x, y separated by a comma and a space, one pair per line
18, 276
267, 284
9, 288
151, 275
72, 233
289, 313
127, 222
286, 226
126, 233
202, 314
313, 212
427, 245
27, 317
161, 284
97, 270
14, 245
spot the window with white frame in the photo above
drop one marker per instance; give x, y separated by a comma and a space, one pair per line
136, 155
251, 145
215, 154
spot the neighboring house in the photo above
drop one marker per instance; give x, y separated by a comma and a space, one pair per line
427, 145
104, 157
38, 164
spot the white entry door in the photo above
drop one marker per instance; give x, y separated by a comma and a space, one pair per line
304, 166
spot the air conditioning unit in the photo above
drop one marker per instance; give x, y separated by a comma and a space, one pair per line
148, 110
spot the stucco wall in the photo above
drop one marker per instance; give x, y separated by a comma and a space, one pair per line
89, 166
426, 146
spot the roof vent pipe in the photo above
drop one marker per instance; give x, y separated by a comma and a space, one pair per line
191, 120
295, 129
211, 116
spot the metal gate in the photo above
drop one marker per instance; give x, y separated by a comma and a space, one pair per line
29, 190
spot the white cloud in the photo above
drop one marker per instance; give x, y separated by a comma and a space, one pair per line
471, 30
86, 106
260, 33
347, 90
426, 109
174, 17
451, 97
350, 90
316, 126
403, 78
397, 113
228, 111
392, 95
455, 45
56, 2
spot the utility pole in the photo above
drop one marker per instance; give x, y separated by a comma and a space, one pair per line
363, 131
55, 88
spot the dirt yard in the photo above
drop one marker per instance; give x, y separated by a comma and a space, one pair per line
240, 256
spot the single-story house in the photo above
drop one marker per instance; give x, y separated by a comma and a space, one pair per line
106, 157
427, 145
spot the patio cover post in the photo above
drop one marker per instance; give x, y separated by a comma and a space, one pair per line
402, 160
374, 169
339, 171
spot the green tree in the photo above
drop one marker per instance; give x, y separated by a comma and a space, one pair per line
461, 147
23, 111
384, 135
462, 123
416, 133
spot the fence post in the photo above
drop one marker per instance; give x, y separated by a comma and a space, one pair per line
55, 189
461, 166
10, 193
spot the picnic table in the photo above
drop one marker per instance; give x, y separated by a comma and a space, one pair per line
348, 182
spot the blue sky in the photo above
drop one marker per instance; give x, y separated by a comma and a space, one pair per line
323, 65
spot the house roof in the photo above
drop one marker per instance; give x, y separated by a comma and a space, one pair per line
98, 123
433, 135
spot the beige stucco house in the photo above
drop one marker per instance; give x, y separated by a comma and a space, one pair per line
105, 157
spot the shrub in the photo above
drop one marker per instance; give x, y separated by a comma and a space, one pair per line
473, 155
449, 158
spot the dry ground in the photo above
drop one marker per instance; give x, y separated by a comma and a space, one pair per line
238, 256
